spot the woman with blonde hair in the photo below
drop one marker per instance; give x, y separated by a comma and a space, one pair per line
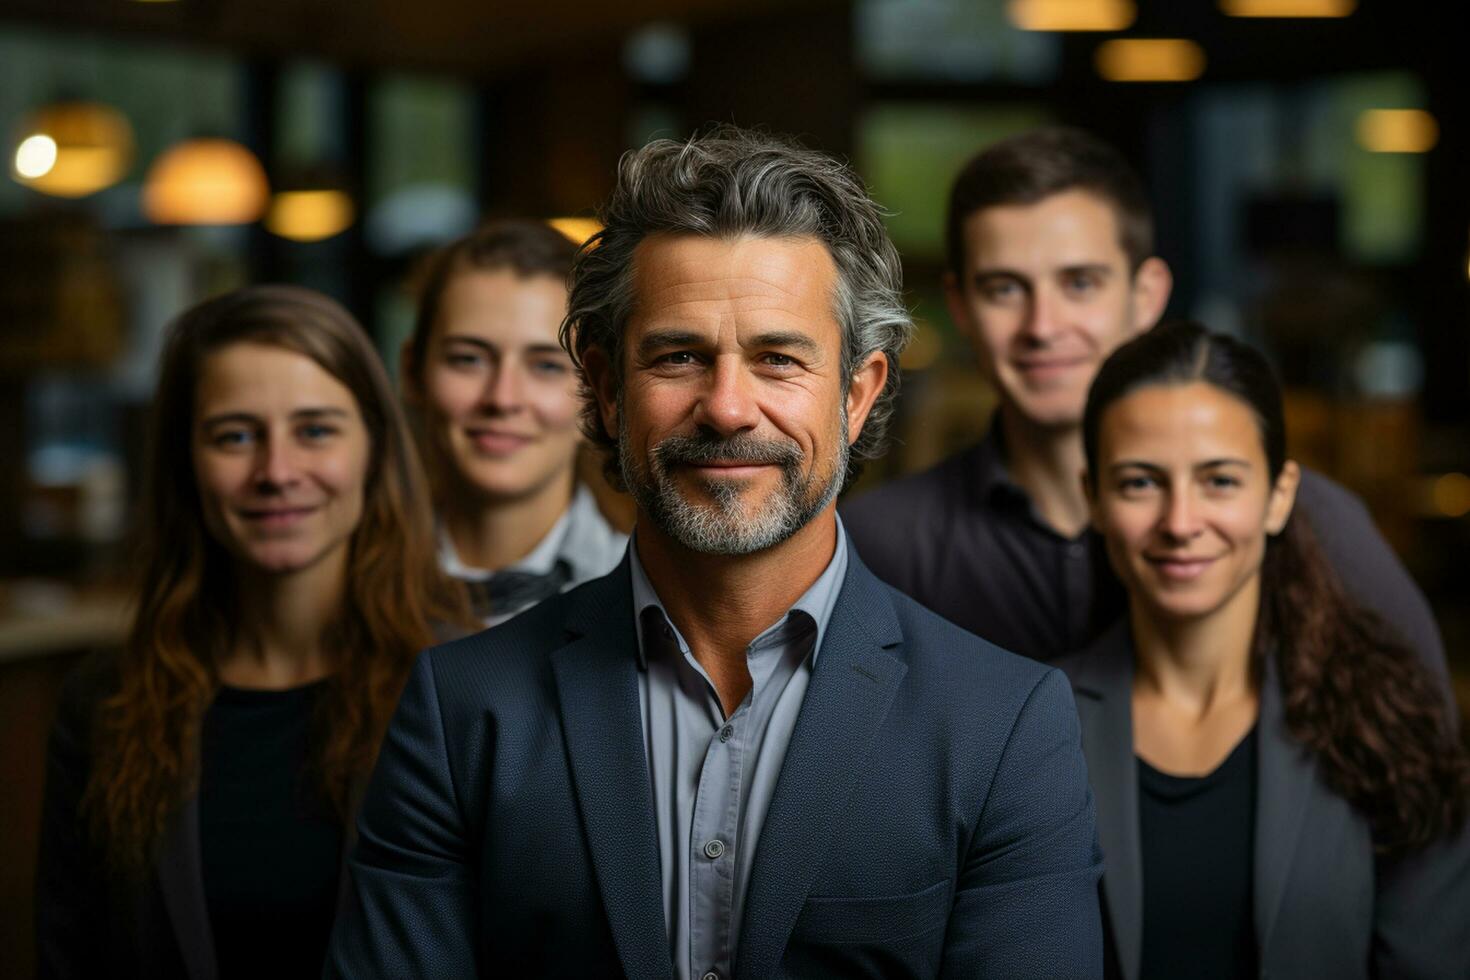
201, 785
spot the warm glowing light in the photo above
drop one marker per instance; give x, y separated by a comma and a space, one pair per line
73, 149
35, 156
1451, 495
1150, 60
309, 216
577, 229
1072, 15
1397, 131
205, 182
1288, 8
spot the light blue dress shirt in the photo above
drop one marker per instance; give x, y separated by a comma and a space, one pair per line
713, 777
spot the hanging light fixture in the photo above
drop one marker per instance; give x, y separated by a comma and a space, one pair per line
205, 182
73, 148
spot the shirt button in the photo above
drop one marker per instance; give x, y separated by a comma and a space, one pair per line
714, 849
668, 633
710, 975
726, 732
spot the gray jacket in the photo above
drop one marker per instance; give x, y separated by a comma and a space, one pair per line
1323, 905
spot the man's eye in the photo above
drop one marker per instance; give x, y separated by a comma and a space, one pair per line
678, 357
1000, 289
780, 360
461, 359
1082, 282
1221, 481
1135, 484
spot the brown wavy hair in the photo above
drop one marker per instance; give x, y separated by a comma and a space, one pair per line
145, 743
1377, 720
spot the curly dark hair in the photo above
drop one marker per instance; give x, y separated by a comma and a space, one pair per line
725, 183
1377, 720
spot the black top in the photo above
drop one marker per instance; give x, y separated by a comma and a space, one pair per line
1198, 837
271, 849
964, 539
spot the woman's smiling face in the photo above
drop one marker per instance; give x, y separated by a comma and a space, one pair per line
281, 456
1183, 496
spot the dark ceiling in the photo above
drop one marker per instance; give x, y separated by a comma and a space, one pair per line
465, 37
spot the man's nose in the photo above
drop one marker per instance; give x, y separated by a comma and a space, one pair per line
728, 404
1045, 312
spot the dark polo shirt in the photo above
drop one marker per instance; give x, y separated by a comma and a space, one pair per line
964, 539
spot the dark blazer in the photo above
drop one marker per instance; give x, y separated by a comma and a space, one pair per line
931, 818
87, 924
1323, 906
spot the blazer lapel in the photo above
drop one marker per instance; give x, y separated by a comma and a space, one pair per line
180, 869
1286, 775
597, 685
852, 685
1103, 679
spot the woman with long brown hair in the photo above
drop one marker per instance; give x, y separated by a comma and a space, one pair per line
201, 785
1280, 786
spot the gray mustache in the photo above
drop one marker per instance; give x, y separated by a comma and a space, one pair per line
705, 448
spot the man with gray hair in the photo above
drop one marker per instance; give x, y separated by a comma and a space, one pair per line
739, 754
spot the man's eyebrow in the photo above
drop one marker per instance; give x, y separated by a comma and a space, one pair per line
789, 339
1095, 268
545, 349
662, 339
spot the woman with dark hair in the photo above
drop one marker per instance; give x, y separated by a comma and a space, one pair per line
201, 786
498, 401
1280, 787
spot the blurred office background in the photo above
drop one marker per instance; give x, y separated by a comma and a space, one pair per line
1308, 162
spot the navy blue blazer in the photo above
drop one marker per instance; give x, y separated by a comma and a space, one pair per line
932, 817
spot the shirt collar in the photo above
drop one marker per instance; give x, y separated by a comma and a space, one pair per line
559, 542
817, 602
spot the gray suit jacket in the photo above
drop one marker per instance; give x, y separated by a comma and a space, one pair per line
1323, 905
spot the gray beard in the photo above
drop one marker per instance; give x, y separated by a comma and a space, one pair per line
726, 528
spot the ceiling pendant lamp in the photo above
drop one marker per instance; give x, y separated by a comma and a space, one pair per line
73, 148
205, 182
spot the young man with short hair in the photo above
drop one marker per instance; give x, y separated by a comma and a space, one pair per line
1051, 261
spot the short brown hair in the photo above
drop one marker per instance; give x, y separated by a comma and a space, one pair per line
526, 248
1037, 164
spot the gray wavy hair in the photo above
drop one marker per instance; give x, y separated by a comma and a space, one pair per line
725, 183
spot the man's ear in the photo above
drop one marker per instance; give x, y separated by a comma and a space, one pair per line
598, 369
863, 391
410, 382
1283, 497
1152, 284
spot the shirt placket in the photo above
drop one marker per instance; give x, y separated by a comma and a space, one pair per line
713, 843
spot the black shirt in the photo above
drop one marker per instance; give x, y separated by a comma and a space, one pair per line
964, 539
1198, 837
270, 848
